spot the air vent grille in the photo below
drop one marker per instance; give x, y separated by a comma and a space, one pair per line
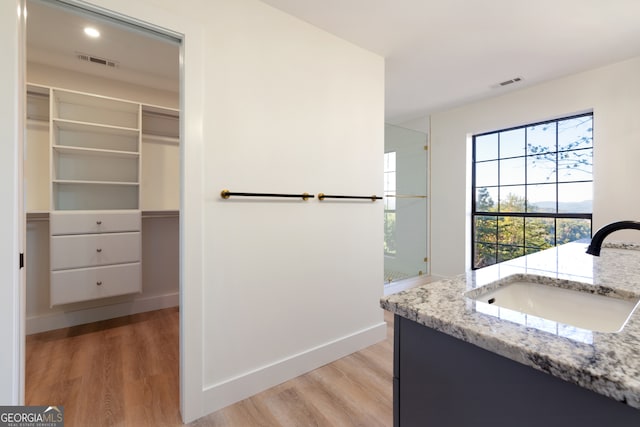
510, 81
97, 60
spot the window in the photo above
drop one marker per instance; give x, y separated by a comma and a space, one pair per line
390, 203
532, 188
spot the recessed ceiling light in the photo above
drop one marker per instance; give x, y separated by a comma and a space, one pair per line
91, 32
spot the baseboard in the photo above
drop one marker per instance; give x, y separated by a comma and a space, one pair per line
222, 394
66, 319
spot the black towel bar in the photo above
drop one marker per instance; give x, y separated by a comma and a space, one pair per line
323, 196
225, 194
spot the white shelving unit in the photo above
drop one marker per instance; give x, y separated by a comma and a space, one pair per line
95, 228
93, 164
95, 159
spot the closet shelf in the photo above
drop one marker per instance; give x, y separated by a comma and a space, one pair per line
74, 125
88, 182
66, 149
95, 101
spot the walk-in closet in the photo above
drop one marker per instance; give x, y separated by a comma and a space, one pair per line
101, 170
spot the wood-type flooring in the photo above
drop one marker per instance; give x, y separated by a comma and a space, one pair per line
125, 372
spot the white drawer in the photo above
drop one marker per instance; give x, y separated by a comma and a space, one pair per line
91, 283
84, 222
88, 250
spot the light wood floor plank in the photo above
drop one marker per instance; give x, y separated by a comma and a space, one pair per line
125, 372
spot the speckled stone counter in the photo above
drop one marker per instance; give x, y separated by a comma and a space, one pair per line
607, 363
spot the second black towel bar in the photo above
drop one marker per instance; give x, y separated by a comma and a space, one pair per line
373, 198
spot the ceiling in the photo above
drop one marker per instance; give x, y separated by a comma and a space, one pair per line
438, 53
444, 53
55, 37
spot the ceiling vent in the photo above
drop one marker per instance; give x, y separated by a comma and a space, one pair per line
508, 82
97, 60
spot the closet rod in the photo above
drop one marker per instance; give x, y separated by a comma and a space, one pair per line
323, 196
152, 137
225, 194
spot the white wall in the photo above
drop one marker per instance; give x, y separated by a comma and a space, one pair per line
419, 123
611, 92
271, 289
289, 285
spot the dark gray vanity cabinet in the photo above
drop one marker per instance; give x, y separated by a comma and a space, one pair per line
441, 381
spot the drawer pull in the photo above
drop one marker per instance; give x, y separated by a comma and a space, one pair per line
99, 250
99, 283
98, 222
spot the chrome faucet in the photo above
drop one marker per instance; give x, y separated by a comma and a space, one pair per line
598, 238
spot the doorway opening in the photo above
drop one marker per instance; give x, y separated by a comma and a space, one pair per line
102, 197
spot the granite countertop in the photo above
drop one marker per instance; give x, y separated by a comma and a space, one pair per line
607, 363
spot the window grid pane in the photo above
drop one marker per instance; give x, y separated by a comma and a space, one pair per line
528, 183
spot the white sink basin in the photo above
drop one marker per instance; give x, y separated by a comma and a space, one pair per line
571, 303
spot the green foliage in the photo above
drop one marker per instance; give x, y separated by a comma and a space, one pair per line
501, 238
512, 203
390, 233
484, 203
570, 230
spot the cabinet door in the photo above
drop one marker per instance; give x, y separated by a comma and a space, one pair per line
83, 284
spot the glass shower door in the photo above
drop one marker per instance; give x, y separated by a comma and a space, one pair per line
405, 203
